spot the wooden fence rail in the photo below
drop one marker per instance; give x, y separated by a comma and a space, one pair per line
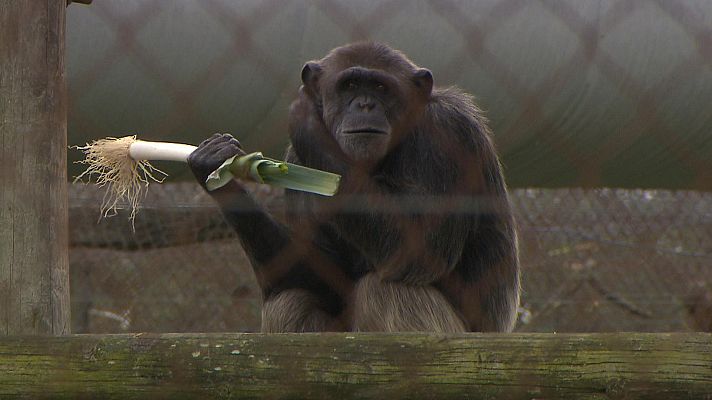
363, 366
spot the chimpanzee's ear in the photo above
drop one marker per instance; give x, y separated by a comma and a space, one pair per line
310, 76
423, 80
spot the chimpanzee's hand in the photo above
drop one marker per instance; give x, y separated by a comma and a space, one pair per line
211, 154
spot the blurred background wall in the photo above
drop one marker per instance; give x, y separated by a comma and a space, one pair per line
580, 92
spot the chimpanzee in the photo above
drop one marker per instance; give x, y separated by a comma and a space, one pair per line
419, 237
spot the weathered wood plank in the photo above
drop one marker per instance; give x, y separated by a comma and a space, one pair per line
359, 366
34, 280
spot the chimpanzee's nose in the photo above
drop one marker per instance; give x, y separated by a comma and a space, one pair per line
365, 104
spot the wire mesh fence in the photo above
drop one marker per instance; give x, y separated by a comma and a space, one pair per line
581, 111
593, 261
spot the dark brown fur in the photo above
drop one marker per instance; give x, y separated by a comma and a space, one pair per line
420, 235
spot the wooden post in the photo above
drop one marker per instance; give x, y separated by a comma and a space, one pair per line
34, 280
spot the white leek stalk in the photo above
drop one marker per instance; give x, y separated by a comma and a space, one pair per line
160, 151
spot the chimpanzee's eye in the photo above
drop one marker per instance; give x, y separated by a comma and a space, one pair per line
351, 85
381, 87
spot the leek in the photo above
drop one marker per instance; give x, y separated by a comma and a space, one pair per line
122, 165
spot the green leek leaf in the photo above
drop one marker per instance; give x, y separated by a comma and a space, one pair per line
257, 168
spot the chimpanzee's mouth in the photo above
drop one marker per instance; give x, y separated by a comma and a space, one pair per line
366, 131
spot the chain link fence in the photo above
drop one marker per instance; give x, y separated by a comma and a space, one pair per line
574, 105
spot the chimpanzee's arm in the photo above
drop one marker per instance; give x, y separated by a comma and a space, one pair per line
277, 254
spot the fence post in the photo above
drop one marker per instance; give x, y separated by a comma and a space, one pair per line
34, 280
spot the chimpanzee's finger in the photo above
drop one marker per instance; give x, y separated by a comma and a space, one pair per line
217, 142
208, 140
228, 151
235, 142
